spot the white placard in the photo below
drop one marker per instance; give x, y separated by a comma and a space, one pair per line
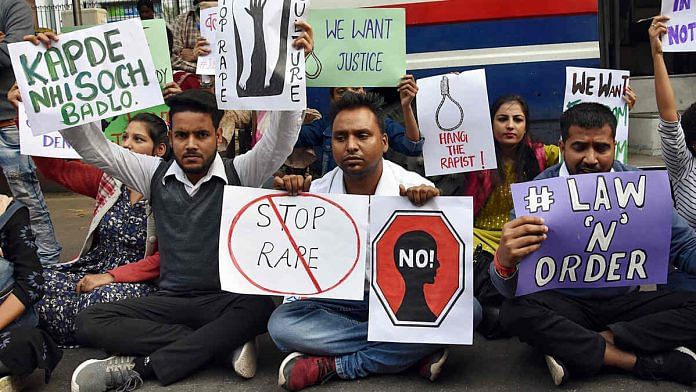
605, 86
206, 65
681, 27
422, 271
258, 67
50, 145
88, 75
309, 245
453, 117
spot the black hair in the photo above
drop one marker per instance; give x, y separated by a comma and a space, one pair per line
349, 101
588, 115
688, 123
197, 101
526, 165
145, 3
156, 128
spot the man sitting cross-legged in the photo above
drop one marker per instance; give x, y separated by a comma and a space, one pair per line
581, 330
329, 337
190, 321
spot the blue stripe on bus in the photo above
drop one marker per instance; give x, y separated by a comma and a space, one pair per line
497, 33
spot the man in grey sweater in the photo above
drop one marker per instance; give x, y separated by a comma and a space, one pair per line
16, 21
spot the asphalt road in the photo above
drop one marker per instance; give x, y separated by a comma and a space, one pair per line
499, 365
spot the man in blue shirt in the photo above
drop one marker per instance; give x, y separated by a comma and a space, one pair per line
406, 140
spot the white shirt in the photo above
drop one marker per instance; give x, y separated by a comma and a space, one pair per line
217, 169
137, 170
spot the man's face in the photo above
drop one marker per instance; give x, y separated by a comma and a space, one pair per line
194, 141
588, 150
146, 13
357, 143
338, 92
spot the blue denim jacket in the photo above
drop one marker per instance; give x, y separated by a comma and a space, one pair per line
682, 251
318, 135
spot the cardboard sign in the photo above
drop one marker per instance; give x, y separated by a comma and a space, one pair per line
357, 47
605, 230
422, 271
50, 145
116, 126
309, 245
258, 66
88, 75
680, 36
453, 117
206, 65
605, 86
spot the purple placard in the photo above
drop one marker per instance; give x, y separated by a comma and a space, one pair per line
605, 230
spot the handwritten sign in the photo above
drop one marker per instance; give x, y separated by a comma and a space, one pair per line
50, 145
309, 245
86, 76
363, 46
681, 27
207, 65
258, 66
605, 86
422, 271
595, 221
454, 120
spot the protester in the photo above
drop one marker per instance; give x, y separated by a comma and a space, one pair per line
23, 347
190, 322
678, 135
16, 21
120, 233
406, 140
330, 336
146, 9
186, 37
582, 330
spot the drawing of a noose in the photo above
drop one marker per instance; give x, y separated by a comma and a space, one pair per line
445, 92
315, 74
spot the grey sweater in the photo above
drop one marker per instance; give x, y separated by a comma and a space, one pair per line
16, 21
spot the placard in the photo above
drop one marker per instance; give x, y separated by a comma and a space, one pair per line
453, 117
86, 76
258, 66
681, 26
309, 245
596, 223
206, 65
50, 145
357, 47
422, 271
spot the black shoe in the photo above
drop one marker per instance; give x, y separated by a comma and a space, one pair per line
676, 365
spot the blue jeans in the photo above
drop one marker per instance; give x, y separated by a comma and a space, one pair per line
28, 318
338, 328
20, 173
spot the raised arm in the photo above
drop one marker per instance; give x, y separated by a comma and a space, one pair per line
666, 104
257, 165
134, 170
412, 143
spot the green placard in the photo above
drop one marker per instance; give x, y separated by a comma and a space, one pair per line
156, 35
357, 47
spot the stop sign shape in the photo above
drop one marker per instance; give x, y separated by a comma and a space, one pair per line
418, 267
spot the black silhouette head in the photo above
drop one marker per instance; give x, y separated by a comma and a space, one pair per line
415, 255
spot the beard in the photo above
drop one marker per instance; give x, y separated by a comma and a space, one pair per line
197, 169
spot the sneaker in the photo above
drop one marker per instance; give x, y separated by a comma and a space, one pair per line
244, 359
11, 384
431, 366
99, 375
299, 371
558, 371
676, 365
